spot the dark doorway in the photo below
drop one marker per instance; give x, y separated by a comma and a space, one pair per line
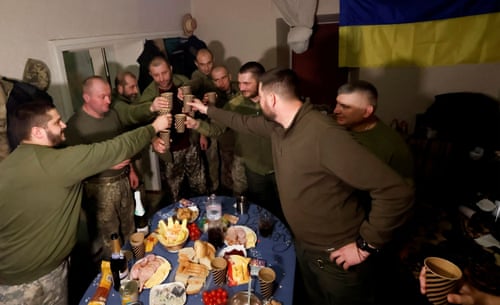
318, 67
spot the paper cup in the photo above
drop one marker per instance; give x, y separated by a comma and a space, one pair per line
186, 89
169, 96
266, 282
212, 98
442, 277
179, 122
165, 136
188, 98
137, 244
219, 268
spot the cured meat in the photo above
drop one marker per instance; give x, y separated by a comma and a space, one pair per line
144, 269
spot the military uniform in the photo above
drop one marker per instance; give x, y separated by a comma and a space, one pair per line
185, 153
108, 199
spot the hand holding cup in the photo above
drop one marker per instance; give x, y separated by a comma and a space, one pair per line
162, 122
162, 103
197, 105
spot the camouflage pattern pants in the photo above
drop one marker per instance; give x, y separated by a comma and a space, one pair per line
239, 176
212, 154
226, 167
50, 289
186, 163
110, 209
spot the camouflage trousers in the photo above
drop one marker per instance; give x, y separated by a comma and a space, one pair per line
50, 289
109, 208
186, 163
239, 176
213, 160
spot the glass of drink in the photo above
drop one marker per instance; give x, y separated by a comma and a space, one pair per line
266, 223
213, 208
215, 235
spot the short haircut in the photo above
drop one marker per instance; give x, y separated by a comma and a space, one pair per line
120, 78
283, 82
254, 68
204, 50
29, 115
360, 86
89, 82
157, 61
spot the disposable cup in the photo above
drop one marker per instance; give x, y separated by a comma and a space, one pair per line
219, 269
442, 277
266, 282
137, 244
179, 122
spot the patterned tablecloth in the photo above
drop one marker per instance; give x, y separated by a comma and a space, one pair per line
277, 250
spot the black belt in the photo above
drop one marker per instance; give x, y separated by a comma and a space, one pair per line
111, 179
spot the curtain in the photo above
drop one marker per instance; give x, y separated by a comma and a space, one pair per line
299, 15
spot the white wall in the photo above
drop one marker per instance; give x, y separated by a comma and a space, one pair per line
27, 26
246, 31
404, 92
237, 31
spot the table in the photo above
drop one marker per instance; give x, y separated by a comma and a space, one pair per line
278, 251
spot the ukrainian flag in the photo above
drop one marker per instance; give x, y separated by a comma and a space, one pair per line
376, 33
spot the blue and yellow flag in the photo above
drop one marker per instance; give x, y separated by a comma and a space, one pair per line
376, 33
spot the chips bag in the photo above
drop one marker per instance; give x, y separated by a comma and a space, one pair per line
238, 270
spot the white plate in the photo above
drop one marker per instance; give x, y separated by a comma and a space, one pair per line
165, 266
168, 294
227, 249
486, 205
251, 237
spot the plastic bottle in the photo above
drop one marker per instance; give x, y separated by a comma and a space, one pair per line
118, 262
214, 223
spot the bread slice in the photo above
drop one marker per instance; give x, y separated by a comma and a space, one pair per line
200, 247
182, 277
194, 285
207, 262
187, 252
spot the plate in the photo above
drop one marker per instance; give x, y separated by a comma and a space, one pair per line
251, 237
228, 249
190, 212
486, 205
171, 294
143, 265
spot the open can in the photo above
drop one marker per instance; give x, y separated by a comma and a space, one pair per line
129, 291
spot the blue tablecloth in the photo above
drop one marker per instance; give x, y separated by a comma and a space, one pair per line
278, 251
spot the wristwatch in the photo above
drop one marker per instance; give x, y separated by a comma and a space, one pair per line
363, 245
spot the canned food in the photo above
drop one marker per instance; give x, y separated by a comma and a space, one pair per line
129, 292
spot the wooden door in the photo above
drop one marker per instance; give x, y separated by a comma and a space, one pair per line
318, 68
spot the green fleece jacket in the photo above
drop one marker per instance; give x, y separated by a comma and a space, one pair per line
318, 168
40, 197
254, 149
